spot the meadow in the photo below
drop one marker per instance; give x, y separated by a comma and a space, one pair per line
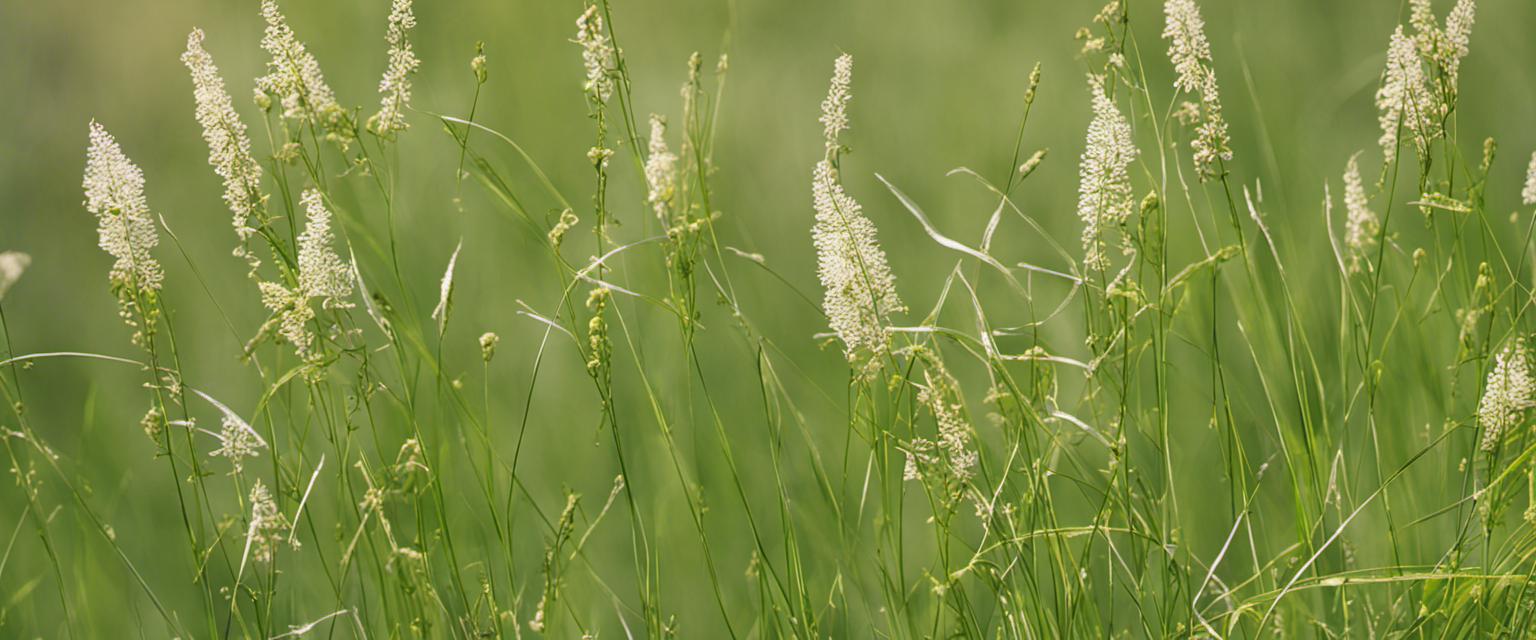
748, 319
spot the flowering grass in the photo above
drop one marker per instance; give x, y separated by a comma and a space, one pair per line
563, 390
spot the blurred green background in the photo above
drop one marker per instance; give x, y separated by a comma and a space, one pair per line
937, 85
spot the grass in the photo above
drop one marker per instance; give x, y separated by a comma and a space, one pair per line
480, 380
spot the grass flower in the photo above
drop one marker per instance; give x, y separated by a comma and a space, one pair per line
834, 110
291, 315
445, 291
114, 192
229, 148
1187, 46
1190, 52
268, 525
395, 87
12, 264
293, 75
597, 55
860, 290
660, 170
1510, 391
1360, 225
1104, 190
951, 451
1528, 194
322, 275
236, 442
1443, 46
1403, 99
1458, 36
488, 342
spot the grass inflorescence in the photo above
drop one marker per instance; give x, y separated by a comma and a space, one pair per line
1194, 423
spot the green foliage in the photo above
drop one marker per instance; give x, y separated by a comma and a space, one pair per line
516, 357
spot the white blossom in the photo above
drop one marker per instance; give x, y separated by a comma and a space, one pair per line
860, 290
1104, 191
1443, 46
660, 170
597, 55
292, 315
1458, 36
1403, 100
1361, 226
236, 442
834, 110
114, 192
1528, 195
1187, 46
12, 264
229, 148
1190, 52
293, 75
322, 274
445, 291
395, 87
268, 525
1510, 391
951, 451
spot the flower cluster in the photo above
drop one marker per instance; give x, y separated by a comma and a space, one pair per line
660, 170
860, 290
268, 525
114, 192
1528, 194
1104, 191
321, 275
236, 442
597, 55
1361, 226
395, 87
834, 110
951, 451
1443, 46
229, 148
293, 75
1509, 393
1411, 99
1191, 55
1403, 102
12, 264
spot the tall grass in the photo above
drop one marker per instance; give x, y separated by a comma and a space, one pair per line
1175, 429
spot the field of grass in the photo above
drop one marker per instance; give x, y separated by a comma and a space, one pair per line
751, 318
